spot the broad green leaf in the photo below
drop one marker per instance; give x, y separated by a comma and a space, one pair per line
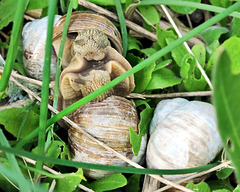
222, 190
7, 9
133, 183
145, 119
12, 118
149, 51
200, 187
221, 3
143, 77
185, 10
224, 173
57, 149
69, 183
177, 53
219, 185
213, 33
199, 52
193, 79
133, 43
150, 14
226, 100
36, 4
163, 78
162, 35
232, 45
210, 49
237, 189
162, 64
234, 27
108, 183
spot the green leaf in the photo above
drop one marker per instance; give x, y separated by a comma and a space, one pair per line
200, 187
237, 189
69, 183
133, 183
133, 43
56, 149
149, 51
36, 4
185, 10
150, 14
177, 53
7, 9
234, 27
142, 78
193, 79
226, 100
12, 118
224, 173
222, 190
232, 45
163, 78
221, 3
213, 33
108, 183
219, 185
162, 35
145, 119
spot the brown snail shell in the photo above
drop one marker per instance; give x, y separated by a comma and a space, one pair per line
109, 122
183, 134
34, 37
81, 20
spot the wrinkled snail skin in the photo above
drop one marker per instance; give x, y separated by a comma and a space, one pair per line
34, 37
183, 134
109, 122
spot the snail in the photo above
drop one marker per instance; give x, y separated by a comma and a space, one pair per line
34, 36
92, 58
108, 121
183, 134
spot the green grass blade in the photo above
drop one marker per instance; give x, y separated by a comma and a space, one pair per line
226, 100
12, 51
188, 4
123, 26
46, 79
13, 162
60, 54
132, 170
135, 69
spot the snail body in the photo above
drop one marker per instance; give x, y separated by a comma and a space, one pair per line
183, 134
34, 41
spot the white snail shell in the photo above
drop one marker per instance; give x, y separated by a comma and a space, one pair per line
183, 134
34, 41
109, 122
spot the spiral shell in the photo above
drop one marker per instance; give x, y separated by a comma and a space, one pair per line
183, 134
34, 41
109, 122
84, 21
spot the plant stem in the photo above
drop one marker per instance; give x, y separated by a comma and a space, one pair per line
12, 51
123, 26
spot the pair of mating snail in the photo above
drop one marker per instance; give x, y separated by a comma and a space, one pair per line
183, 134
